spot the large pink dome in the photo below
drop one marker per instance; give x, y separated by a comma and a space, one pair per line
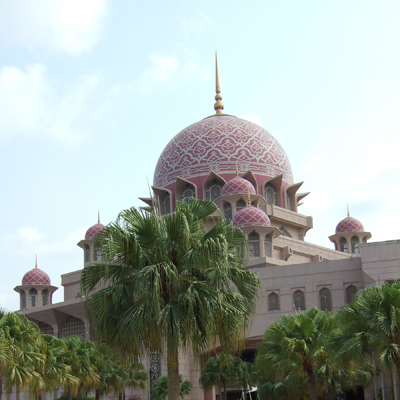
349, 224
93, 230
217, 144
36, 277
251, 216
237, 185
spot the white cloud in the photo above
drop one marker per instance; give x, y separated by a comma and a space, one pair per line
196, 25
253, 118
31, 106
71, 26
312, 163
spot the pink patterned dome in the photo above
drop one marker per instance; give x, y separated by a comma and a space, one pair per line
251, 216
237, 186
349, 224
216, 144
36, 277
93, 230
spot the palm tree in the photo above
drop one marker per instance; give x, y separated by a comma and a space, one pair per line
171, 284
370, 329
295, 344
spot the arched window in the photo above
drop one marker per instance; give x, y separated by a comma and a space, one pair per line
213, 190
270, 194
23, 299
288, 202
299, 300
268, 246
240, 204
45, 329
187, 192
254, 245
45, 297
355, 245
343, 245
228, 210
87, 253
325, 299
350, 293
273, 302
97, 254
166, 205
33, 297
73, 327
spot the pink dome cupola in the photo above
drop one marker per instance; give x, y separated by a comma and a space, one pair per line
237, 185
349, 235
36, 277
94, 230
251, 216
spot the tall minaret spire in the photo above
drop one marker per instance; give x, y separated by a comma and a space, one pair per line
35, 260
348, 212
98, 216
219, 105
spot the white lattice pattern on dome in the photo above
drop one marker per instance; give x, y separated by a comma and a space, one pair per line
216, 144
349, 224
251, 216
36, 277
237, 186
93, 230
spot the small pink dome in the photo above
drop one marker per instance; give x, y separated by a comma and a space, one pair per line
349, 224
251, 216
36, 277
237, 186
93, 230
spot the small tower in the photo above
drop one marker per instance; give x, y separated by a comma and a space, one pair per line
90, 252
349, 235
36, 289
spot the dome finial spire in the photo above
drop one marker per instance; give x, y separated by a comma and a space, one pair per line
219, 105
237, 170
248, 198
35, 260
98, 216
348, 212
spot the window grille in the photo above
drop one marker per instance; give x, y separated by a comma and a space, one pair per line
166, 205
240, 204
343, 245
270, 194
299, 300
73, 327
33, 297
213, 190
23, 299
268, 246
228, 211
45, 297
355, 245
254, 245
350, 293
273, 302
155, 367
187, 192
45, 329
325, 299
87, 253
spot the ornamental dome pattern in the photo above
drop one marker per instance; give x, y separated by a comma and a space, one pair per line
349, 224
251, 216
217, 144
237, 186
36, 277
93, 230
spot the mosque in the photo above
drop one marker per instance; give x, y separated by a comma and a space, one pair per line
245, 171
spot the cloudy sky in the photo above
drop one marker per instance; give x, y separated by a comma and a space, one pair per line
91, 91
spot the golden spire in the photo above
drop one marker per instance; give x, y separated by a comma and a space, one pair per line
237, 170
35, 260
248, 198
98, 216
348, 212
219, 105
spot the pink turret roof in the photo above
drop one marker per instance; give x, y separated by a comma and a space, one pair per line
36, 277
237, 186
349, 224
251, 216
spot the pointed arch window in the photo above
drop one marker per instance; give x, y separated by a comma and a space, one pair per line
344, 248
33, 293
355, 245
288, 202
97, 254
45, 297
299, 300
240, 204
23, 299
273, 302
87, 253
270, 194
268, 246
350, 293
254, 245
213, 190
325, 299
187, 192
166, 205
228, 210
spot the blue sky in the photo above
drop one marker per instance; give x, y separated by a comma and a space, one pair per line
91, 92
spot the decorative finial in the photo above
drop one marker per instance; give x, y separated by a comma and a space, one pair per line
348, 212
35, 260
219, 105
98, 216
248, 198
237, 170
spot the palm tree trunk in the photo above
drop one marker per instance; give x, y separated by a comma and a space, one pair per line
1, 387
97, 394
173, 372
311, 380
225, 393
396, 382
120, 395
69, 394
